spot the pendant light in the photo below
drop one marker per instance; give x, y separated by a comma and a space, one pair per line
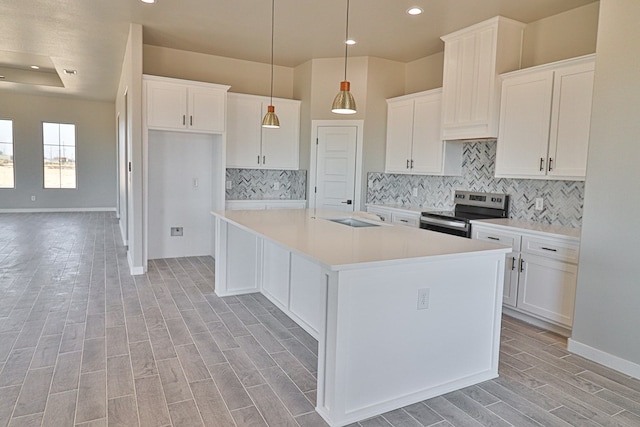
270, 119
344, 102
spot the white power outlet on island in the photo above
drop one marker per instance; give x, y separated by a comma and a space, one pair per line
276, 185
539, 204
414, 192
228, 185
423, 298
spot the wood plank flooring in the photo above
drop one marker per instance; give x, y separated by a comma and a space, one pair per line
84, 343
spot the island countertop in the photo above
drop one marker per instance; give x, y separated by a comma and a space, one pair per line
339, 247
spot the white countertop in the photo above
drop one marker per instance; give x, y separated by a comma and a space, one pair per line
524, 226
339, 246
399, 207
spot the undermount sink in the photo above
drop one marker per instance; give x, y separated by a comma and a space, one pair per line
352, 222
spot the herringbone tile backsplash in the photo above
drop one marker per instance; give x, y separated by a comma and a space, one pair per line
258, 184
563, 200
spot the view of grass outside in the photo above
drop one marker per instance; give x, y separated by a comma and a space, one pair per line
59, 143
7, 179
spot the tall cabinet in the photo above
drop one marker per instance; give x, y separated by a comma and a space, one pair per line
545, 119
249, 145
473, 59
414, 145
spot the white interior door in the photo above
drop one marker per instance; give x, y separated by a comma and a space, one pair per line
336, 168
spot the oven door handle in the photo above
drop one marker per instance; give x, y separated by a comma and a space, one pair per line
454, 224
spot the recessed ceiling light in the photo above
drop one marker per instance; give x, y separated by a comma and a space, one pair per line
414, 11
70, 72
351, 41
148, 1
35, 67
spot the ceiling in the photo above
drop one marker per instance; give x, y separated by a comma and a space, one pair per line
89, 36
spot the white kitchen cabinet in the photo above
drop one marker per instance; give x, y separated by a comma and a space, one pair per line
249, 145
545, 118
473, 59
173, 104
414, 145
540, 273
382, 213
409, 219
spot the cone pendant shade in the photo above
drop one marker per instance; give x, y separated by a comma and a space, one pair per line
344, 102
270, 119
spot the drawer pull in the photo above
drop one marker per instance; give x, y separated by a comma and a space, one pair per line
493, 238
513, 263
404, 220
549, 249
521, 265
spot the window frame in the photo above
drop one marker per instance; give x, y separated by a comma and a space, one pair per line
13, 153
75, 152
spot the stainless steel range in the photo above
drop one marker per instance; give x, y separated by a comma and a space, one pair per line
468, 205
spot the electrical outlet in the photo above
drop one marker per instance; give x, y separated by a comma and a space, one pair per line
414, 191
228, 185
423, 298
33, 198
539, 204
276, 185
176, 231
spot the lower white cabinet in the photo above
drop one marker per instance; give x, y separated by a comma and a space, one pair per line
397, 216
540, 273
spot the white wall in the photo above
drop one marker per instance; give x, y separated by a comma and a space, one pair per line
607, 311
95, 152
243, 76
131, 85
180, 193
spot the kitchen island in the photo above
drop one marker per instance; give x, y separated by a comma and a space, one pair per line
400, 314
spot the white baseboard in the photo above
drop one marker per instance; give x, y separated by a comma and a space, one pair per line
133, 269
604, 358
35, 210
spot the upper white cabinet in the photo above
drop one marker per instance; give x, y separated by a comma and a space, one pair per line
251, 146
545, 118
473, 59
175, 104
414, 145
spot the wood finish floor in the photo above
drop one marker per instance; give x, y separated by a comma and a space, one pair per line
84, 343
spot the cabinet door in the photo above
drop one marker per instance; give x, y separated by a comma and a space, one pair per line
571, 120
399, 136
548, 289
280, 147
468, 82
244, 126
275, 272
166, 105
206, 109
524, 125
427, 146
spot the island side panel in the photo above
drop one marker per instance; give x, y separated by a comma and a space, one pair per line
238, 256
382, 352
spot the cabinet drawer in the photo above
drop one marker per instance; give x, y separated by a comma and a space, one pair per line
551, 248
501, 237
408, 220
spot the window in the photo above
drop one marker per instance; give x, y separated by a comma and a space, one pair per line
59, 143
7, 177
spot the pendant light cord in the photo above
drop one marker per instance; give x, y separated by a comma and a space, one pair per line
273, 6
346, 45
